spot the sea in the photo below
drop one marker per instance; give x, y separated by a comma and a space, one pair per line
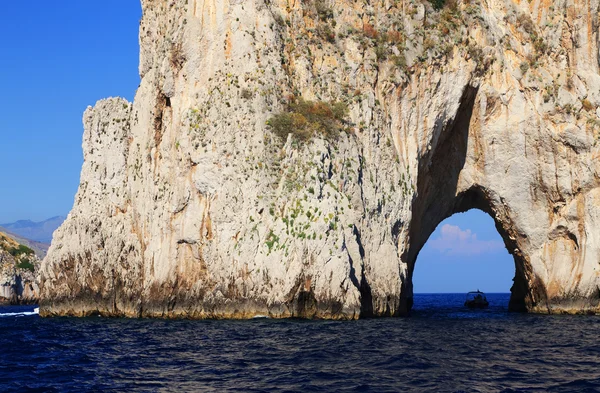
441, 347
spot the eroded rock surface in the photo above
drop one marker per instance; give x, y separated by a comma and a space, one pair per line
19, 272
190, 206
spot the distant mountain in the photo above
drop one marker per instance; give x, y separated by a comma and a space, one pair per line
35, 231
40, 249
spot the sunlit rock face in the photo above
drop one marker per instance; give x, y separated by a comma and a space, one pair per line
19, 268
190, 205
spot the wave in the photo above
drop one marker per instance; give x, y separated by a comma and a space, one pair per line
36, 311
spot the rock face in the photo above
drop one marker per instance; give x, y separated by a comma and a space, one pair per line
19, 270
191, 206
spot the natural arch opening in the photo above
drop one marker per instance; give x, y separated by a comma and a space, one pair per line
443, 190
475, 198
464, 253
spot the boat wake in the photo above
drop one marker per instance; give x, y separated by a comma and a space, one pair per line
36, 311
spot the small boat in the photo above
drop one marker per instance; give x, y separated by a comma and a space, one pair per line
476, 299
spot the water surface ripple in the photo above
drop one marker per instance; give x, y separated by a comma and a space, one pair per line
441, 348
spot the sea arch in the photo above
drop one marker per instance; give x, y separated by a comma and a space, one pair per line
450, 181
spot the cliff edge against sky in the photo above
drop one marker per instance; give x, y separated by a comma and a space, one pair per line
194, 201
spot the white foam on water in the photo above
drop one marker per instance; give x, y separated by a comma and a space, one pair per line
36, 311
261, 317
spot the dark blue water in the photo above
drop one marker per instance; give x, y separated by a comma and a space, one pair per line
441, 348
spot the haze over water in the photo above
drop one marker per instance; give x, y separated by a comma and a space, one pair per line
442, 347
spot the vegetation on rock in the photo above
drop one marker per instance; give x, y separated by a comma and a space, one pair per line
18, 264
20, 250
26, 264
439, 4
306, 119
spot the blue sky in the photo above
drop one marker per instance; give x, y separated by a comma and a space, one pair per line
59, 57
464, 253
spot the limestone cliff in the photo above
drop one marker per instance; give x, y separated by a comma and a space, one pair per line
191, 205
19, 269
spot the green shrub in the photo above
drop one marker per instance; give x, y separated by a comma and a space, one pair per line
594, 123
380, 51
271, 240
525, 21
247, 94
400, 61
437, 4
587, 105
21, 250
540, 45
323, 10
26, 264
305, 119
325, 31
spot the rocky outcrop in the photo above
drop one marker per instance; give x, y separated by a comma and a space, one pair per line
19, 271
190, 205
